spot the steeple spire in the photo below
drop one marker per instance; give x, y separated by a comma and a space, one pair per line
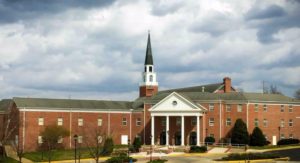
149, 58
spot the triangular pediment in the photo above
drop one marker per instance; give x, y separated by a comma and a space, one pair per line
176, 103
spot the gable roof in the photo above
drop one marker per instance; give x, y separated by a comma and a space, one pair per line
71, 103
4, 104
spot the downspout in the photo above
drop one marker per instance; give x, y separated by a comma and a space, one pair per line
70, 128
144, 124
24, 119
247, 113
108, 127
220, 108
130, 129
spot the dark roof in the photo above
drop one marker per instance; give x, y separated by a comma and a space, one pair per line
207, 88
71, 103
149, 58
4, 104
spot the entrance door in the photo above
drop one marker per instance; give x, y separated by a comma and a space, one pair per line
162, 140
193, 138
274, 141
178, 138
124, 139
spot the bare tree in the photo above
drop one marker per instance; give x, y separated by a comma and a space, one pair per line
18, 149
274, 90
297, 94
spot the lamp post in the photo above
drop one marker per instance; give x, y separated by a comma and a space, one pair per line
75, 144
151, 149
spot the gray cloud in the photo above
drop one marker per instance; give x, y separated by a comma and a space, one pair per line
272, 11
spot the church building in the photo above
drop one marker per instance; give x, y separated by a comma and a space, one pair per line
175, 117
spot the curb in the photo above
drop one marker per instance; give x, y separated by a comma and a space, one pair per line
260, 160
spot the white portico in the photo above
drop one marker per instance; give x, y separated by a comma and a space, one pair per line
176, 105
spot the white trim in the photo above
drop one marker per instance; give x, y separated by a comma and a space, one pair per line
220, 119
24, 119
74, 111
130, 128
152, 129
190, 114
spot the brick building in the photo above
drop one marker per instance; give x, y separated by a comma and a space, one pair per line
183, 116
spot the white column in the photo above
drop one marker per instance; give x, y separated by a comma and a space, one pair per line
152, 130
167, 130
182, 131
198, 131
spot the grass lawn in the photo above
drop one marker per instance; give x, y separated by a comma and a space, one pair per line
274, 146
8, 160
57, 155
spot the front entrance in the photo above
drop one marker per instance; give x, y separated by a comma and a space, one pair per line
178, 138
193, 138
162, 138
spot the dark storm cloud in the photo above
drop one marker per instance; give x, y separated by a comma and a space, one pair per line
16, 10
272, 19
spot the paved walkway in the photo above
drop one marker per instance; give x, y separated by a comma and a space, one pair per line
10, 152
218, 150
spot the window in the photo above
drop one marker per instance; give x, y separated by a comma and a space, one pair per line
282, 108
291, 136
151, 78
211, 107
178, 121
256, 122
124, 121
99, 138
41, 121
150, 68
211, 121
290, 108
281, 136
163, 122
228, 122
59, 121
60, 139
265, 121
138, 122
99, 121
281, 123
266, 137
256, 107
145, 69
265, 108
194, 121
80, 122
80, 138
240, 108
228, 108
40, 139
291, 123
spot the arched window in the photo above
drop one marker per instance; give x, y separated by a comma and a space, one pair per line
151, 78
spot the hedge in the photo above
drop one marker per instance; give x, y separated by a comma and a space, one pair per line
198, 149
288, 141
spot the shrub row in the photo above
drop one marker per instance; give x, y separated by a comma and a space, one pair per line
288, 141
122, 158
250, 156
157, 161
198, 149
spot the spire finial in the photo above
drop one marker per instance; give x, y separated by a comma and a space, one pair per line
149, 59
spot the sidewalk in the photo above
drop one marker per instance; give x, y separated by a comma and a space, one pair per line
12, 153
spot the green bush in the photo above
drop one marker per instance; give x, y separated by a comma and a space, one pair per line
198, 149
209, 140
157, 161
120, 159
137, 143
288, 141
240, 133
108, 147
257, 138
250, 156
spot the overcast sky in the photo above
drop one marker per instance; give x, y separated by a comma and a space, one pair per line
95, 49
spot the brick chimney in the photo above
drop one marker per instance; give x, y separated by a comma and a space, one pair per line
227, 84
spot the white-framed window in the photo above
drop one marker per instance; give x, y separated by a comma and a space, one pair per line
211, 122
281, 108
41, 121
256, 122
60, 140
291, 123
256, 107
265, 108
282, 123
178, 121
194, 121
211, 107
124, 121
99, 122
151, 78
80, 122
228, 108
239, 108
163, 122
290, 108
100, 139
138, 122
60, 121
265, 122
40, 139
228, 121
80, 139
281, 136
291, 136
